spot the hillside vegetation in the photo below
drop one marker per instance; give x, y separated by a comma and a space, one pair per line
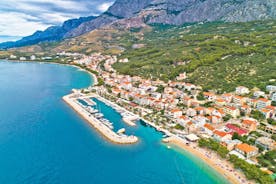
215, 55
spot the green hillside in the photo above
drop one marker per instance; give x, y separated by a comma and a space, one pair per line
215, 55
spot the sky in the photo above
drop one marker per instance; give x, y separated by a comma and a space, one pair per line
19, 18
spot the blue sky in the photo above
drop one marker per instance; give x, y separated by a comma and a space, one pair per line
23, 17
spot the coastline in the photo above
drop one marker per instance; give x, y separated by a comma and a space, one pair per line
174, 140
223, 167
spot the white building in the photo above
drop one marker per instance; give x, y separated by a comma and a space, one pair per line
241, 90
273, 97
22, 59
262, 103
33, 57
271, 88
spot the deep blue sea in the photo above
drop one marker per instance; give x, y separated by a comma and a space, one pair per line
42, 140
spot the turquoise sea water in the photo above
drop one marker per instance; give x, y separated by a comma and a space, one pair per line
42, 140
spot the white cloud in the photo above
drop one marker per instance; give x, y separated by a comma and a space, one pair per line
18, 24
104, 6
24, 17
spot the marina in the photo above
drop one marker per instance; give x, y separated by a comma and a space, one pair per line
97, 120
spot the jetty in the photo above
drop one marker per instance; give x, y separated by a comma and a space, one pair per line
96, 120
127, 116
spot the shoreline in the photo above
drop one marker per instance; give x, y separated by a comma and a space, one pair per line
102, 129
171, 140
222, 167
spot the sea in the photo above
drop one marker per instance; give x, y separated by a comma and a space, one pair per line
43, 140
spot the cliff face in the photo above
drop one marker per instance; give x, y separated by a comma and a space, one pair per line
173, 12
177, 12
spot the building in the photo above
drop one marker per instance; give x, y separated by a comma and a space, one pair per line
262, 103
258, 94
230, 144
249, 124
239, 100
265, 142
209, 96
33, 57
235, 129
221, 136
176, 113
241, 90
233, 111
273, 97
209, 129
22, 59
270, 129
13, 56
246, 150
271, 88
266, 112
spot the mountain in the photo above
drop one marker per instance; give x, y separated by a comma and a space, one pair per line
178, 12
173, 12
53, 33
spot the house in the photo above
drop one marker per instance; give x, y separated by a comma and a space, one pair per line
262, 103
33, 57
252, 102
273, 97
209, 96
22, 59
233, 111
233, 128
199, 110
209, 129
266, 143
266, 112
215, 119
246, 150
230, 144
258, 94
227, 97
199, 120
239, 100
249, 124
191, 112
220, 102
189, 86
176, 113
221, 136
246, 109
241, 90
270, 129
271, 88
187, 101
183, 120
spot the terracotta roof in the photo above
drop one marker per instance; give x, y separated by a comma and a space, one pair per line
264, 100
220, 133
210, 127
246, 148
176, 110
248, 122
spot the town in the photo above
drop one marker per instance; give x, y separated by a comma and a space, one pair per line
243, 122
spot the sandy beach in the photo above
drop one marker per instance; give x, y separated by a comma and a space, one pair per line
225, 168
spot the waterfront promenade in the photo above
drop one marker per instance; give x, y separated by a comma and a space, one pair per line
71, 100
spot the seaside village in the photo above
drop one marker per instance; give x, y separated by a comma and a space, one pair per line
242, 121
